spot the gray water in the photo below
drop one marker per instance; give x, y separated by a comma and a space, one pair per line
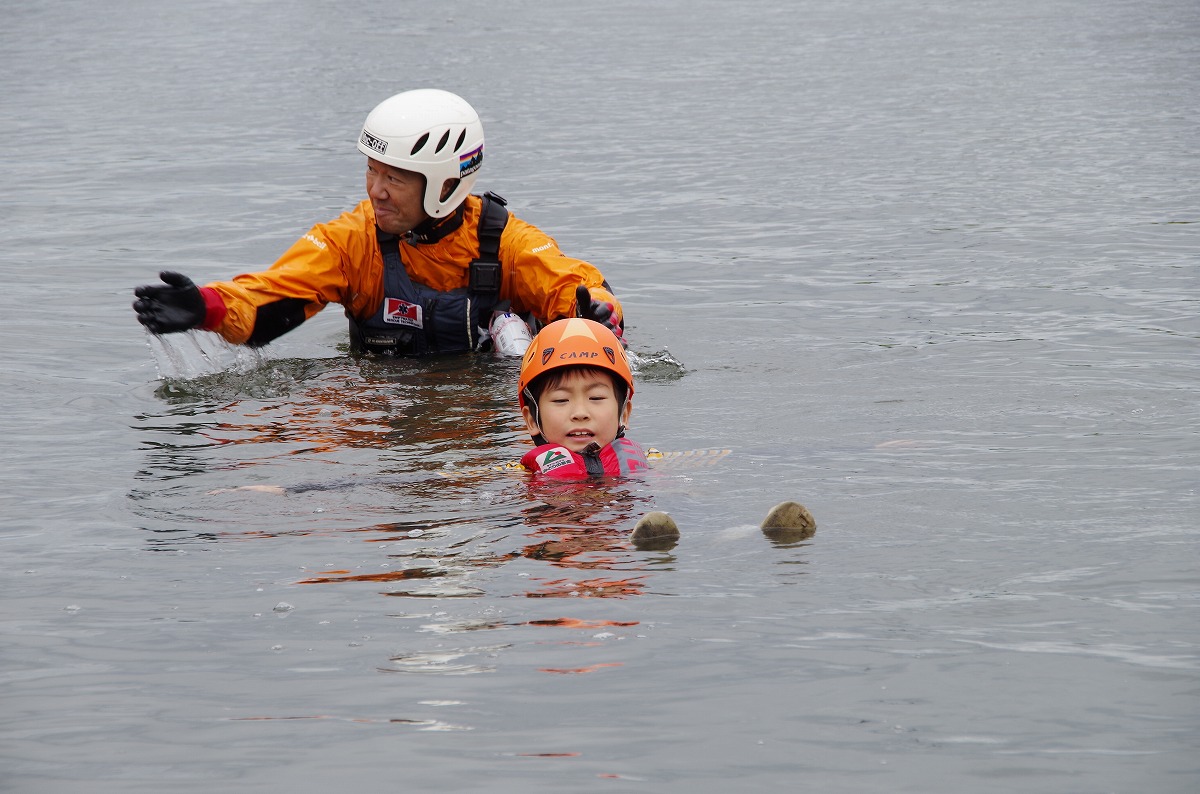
927, 267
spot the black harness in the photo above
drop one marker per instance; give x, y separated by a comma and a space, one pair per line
416, 320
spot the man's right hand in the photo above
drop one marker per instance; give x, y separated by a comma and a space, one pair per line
602, 312
176, 305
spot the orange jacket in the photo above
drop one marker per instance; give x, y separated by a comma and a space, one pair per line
340, 262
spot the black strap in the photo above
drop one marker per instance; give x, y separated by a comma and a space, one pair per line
591, 459
492, 220
485, 275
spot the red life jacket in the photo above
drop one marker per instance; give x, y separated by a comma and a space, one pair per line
620, 458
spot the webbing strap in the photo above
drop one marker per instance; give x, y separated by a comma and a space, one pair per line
492, 220
486, 273
591, 459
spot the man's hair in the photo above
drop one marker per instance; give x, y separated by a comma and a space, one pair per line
551, 379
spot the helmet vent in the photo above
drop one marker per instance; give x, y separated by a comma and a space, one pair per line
420, 142
462, 136
442, 143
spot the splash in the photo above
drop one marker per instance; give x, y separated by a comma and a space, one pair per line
202, 365
192, 354
657, 367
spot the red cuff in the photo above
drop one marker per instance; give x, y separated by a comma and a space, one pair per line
214, 308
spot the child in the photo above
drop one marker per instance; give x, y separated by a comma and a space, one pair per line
575, 392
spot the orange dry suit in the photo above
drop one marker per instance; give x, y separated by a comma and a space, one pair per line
431, 306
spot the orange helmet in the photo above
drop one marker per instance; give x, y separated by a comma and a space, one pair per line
571, 343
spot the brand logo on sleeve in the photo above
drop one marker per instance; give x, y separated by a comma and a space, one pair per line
398, 312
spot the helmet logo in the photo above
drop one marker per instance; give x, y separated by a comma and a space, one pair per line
371, 142
470, 162
546, 354
612, 357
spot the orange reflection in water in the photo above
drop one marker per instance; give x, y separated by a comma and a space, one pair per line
387, 576
591, 668
589, 588
576, 623
582, 526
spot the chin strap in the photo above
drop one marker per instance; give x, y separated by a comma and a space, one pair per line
433, 229
538, 438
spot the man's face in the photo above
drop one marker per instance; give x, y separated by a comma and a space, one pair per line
397, 197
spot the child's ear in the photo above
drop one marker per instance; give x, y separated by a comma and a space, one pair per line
531, 424
626, 412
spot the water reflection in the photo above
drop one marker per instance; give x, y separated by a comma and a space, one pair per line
412, 460
425, 442
341, 403
224, 429
575, 526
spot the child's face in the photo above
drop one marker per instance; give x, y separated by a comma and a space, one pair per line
581, 409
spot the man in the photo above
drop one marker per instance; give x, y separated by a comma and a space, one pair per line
419, 265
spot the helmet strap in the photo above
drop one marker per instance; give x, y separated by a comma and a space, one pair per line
538, 438
431, 230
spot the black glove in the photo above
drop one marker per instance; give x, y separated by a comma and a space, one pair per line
177, 306
602, 312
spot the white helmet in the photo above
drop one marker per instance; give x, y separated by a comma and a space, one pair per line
432, 132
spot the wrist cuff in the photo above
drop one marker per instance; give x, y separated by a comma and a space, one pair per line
214, 308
